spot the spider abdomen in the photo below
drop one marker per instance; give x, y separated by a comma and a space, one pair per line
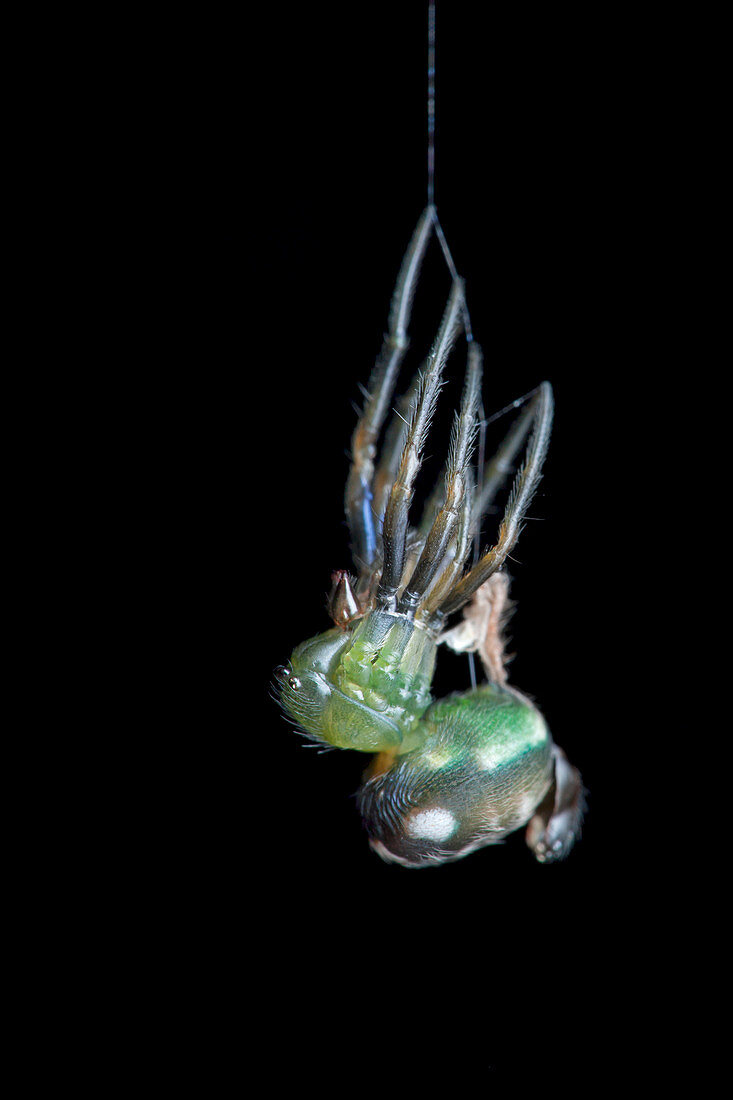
484, 766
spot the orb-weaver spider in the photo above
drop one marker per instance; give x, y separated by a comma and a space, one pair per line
451, 775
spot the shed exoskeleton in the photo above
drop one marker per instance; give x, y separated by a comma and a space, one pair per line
451, 775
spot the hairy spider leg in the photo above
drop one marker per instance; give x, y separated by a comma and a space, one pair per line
456, 485
453, 561
498, 468
395, 525
522, 492
394, 442
495, 472
359, 484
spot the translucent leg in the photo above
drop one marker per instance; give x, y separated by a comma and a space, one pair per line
359, 490
457, 482
394, 529
523, 489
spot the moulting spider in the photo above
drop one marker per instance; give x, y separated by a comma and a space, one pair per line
454, 774
448, 775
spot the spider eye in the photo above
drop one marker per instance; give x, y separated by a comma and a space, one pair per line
294, 682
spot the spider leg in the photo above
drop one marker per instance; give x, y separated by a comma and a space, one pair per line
555, 826
523, 489
445, 523
501, 465
394, 442
359, 484
453, 559
479, 630
394, 527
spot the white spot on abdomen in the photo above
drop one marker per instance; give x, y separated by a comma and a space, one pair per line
490, 757
434, 824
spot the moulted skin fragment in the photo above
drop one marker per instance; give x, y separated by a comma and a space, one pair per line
452, 775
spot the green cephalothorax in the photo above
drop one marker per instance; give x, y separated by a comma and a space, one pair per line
363, 689
451, 775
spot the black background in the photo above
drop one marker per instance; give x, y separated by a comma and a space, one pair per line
532, 184
303, 182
